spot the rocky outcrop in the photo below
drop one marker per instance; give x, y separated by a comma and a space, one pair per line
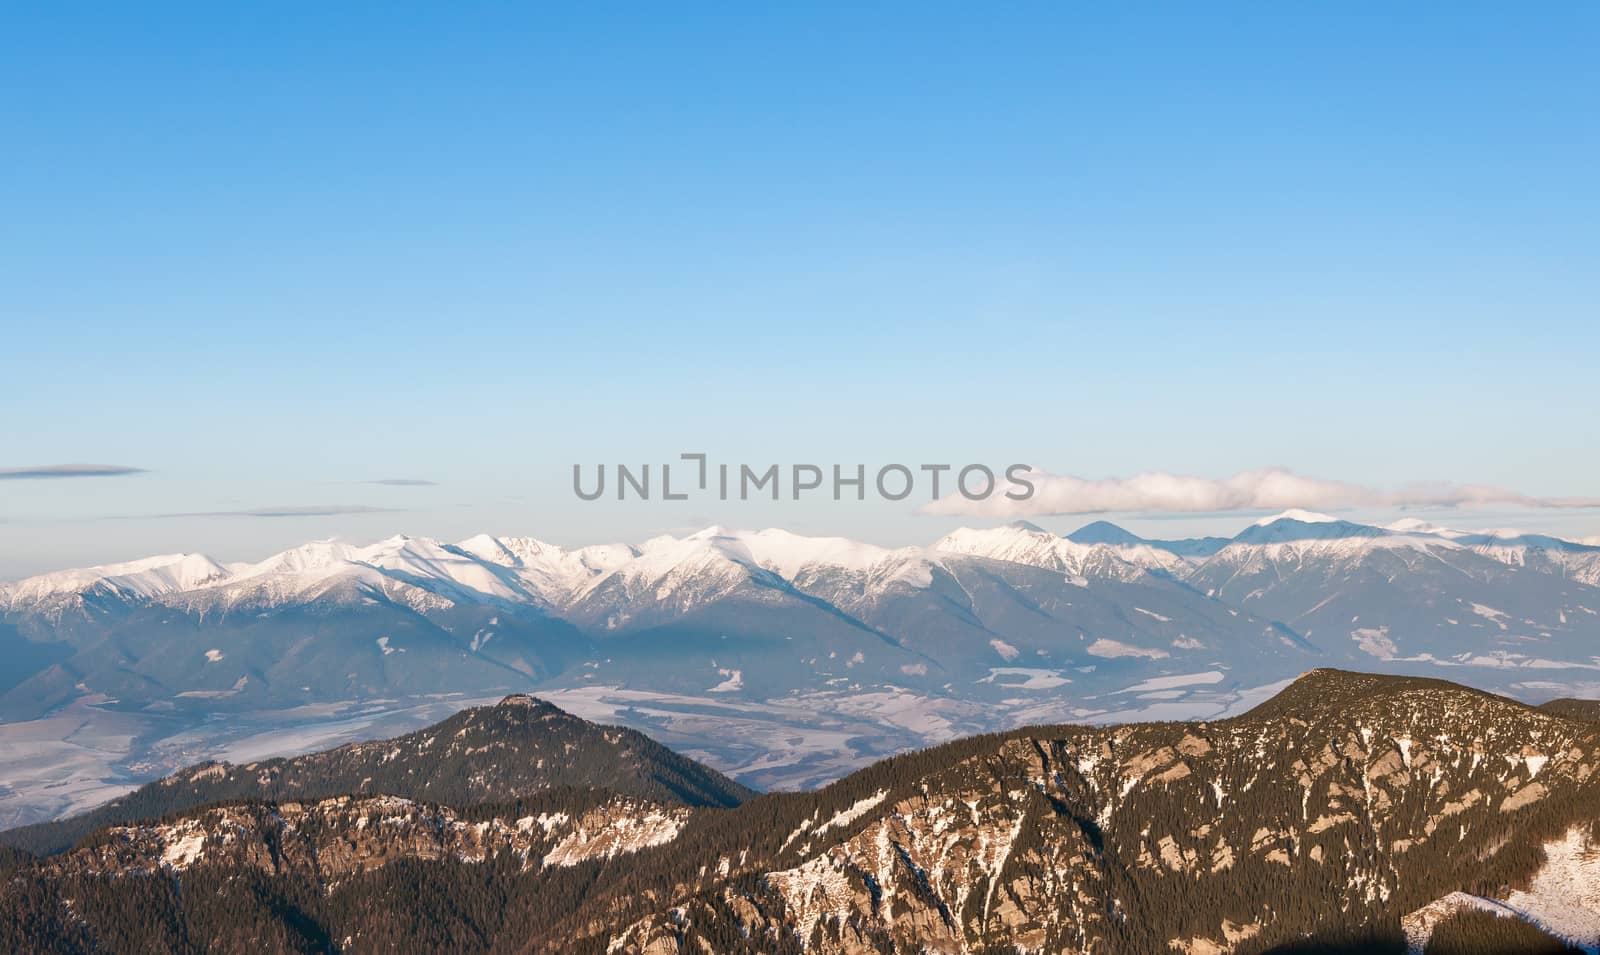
333, 839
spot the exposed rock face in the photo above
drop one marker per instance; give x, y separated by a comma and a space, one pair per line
332, 839
1360, 796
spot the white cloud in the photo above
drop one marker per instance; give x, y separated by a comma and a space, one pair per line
1264, 489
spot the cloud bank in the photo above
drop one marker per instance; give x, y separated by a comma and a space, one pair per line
405, 482
1266, 489
46, 472
298, 510
311, 510
293, 511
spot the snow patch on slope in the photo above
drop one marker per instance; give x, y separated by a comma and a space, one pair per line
1112, 649
1562, 899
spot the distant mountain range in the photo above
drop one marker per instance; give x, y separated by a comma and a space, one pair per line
847, 651
1348, 813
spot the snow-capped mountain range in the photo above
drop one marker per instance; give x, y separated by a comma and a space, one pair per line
1002, 598
855, 650
681, 574
524, 570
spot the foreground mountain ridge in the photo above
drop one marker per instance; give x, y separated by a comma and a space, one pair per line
1331, 811
516, 748
1366, 811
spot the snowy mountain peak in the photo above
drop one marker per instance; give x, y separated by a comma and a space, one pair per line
143, 579
1042, 549
509, 551
712, 532
1505, 533
787, 552
1285, 529
774, 549
1300, 515
983, 541
551, 572
308, 557
1412, 525
1510, 537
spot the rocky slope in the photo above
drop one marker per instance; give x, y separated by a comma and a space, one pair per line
330, 840
1367, 812
284, 876
1335, 810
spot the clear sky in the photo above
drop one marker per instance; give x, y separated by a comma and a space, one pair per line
270, 255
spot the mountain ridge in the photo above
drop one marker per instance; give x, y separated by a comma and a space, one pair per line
516, 747
1358, 810
156, 575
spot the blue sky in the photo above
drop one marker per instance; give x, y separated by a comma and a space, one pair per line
270, 256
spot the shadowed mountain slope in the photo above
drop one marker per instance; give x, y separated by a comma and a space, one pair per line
519, 746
